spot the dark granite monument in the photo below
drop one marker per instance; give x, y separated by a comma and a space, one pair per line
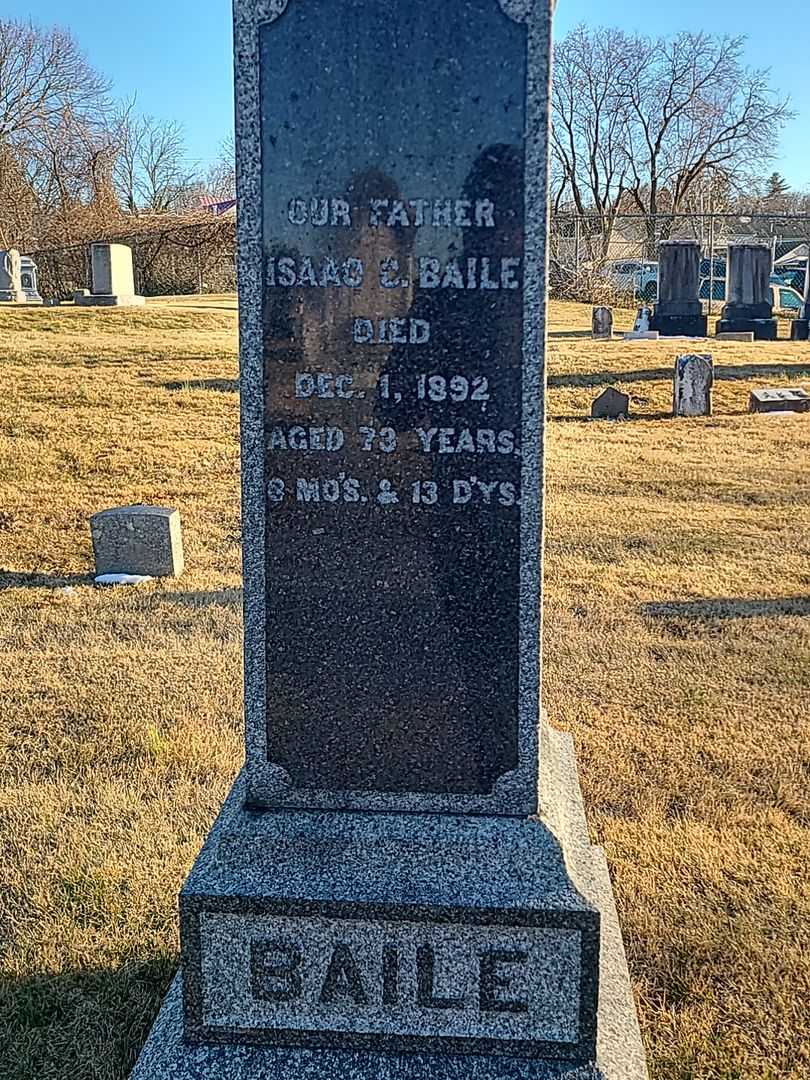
679, 312
401, 884
800, 331
749, 307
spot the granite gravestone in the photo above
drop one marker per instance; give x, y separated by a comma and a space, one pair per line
679, 311
602, 324
11, 290
749, 307
692, 385
800, 330
779, 399
28, 280
113, 278
400, 884
611, 404
140, 540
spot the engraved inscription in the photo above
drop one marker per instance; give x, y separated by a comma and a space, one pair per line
393, 319
420, 979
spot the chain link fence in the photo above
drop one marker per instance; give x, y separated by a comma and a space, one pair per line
594, 259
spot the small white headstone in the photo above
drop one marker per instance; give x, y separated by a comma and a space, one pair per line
642, 324
694, 378
11, 290
113, 279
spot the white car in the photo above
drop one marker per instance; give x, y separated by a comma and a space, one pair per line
786, 300
634, 275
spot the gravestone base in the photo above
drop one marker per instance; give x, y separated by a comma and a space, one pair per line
12, 296
800, 331
108, 300
680, 325
350, 885
762, 329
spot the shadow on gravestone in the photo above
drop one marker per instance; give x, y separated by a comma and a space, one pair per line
401, 883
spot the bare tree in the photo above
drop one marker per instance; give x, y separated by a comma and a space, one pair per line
220, 181
650, 119
589, 161
151, 172
693, 108
54, 112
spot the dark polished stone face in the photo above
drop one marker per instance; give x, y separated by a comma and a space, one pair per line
393, 320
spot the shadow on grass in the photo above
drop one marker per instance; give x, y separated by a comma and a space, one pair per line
224, 386
722, 373
585, 419
85, 1024
570, 334
729, 608
12, 579
217, 598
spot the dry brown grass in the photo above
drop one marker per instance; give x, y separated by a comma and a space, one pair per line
677, 615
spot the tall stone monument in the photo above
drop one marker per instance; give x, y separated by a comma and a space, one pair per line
11, 290
113, 278
748, 298
400, 885
800, 331
679, 312
28, 280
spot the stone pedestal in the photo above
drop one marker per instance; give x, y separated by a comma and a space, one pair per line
401, 885
401, 947
113, 280
749, 307
679, 312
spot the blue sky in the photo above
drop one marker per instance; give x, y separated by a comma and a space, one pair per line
176, 54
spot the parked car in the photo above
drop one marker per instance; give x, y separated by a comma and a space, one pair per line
791, 274
786, 300
634, 275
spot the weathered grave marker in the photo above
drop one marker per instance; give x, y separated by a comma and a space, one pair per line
11, 290
113, 279
692, 385
137, 540
400, 884
746, 336
679, 312
749, 307
779, 399
611, 404
28, 280
602, 324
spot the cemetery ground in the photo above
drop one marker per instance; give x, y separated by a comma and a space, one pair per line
677, 651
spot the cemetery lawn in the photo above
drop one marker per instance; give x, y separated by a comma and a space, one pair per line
677, 652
